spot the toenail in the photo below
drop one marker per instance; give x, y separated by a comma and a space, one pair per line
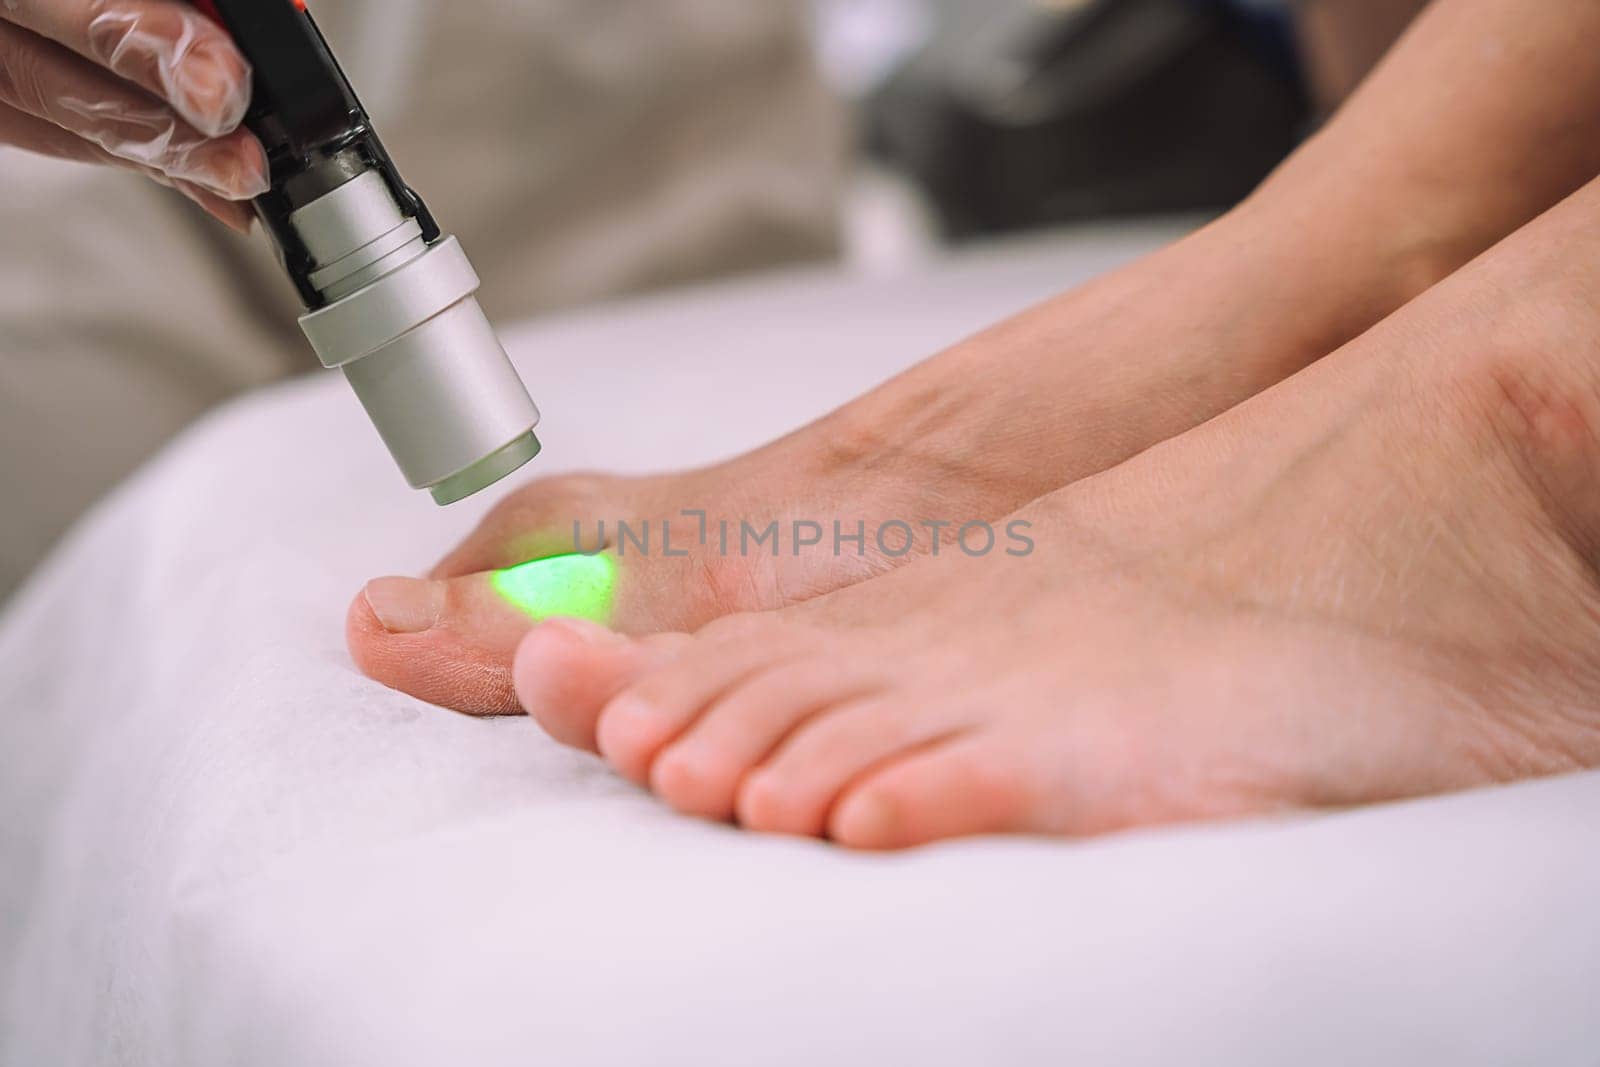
629, 712
676, 771
864, 819
406, 605
758, 797
624, 729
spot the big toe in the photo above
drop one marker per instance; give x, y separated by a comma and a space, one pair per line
447, 642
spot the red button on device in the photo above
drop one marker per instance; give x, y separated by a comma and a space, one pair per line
210, 8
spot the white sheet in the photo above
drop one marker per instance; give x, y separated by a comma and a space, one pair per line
222, 845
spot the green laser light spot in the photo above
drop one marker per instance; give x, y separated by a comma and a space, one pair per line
575, 586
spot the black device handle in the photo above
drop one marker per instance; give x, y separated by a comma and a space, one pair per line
308, 118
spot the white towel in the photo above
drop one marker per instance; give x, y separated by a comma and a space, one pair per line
219, 844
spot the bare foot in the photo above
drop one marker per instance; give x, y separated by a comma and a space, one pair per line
969, 435
1417, 173
1376, 580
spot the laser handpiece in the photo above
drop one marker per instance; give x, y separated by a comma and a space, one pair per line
390, 299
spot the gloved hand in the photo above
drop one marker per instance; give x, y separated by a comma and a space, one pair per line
149, 84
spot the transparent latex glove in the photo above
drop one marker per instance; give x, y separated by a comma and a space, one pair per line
152, 85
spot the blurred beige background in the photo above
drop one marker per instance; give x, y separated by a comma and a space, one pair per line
580, 149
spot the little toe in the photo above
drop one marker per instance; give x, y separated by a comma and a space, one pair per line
699, 772
970, 785
793, 791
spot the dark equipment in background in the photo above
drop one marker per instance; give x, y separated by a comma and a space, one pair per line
1019, 115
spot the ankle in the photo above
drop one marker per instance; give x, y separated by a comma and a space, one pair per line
1350, 264
1536, 401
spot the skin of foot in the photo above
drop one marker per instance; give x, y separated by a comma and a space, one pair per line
1419, 172
1376, 580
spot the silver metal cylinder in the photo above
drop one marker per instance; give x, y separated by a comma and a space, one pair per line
404, 325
